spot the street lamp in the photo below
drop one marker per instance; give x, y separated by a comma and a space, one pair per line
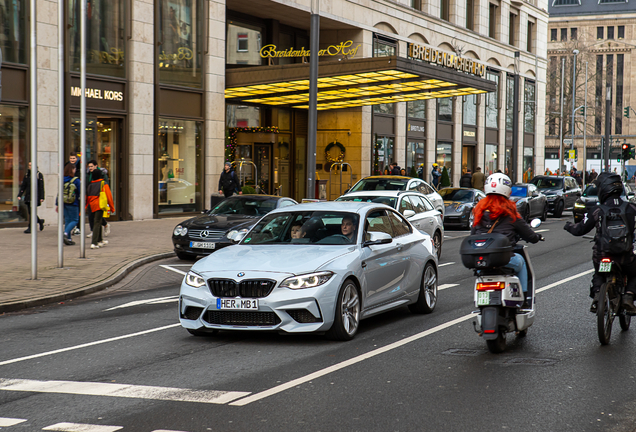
575, 52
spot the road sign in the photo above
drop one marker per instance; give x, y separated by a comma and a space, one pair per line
567, 141
572, 154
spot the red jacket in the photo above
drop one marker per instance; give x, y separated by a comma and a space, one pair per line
92, 195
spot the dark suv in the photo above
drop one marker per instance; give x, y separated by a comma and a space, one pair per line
560, 191
589, 200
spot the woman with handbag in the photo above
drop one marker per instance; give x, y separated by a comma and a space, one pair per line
100, 201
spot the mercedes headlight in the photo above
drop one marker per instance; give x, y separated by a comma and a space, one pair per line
179, 230
551, 197
194, 280
232, 234
307, 281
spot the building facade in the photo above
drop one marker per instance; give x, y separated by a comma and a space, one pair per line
177, 87
603, 34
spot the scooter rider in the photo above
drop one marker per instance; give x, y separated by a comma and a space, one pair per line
610, 188
497, 210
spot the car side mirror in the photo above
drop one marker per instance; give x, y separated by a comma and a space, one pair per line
535, 223
535, 194
377, 238
408, 213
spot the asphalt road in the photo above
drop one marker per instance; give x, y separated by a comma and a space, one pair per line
118, 360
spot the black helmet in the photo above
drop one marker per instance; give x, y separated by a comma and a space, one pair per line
608, 184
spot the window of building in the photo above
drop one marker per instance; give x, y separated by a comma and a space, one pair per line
512, 30
180, 32
444, 10
621, 32
553, 35
470, 110
618, 120
573, 33
445, 109
492, 20
492, 107
416, 4
564, 34
610, 32
529, 110
14, 156
416, 109
566, 3
510, 97
611, 1
244, 36
414, 157
490, 159
383, 47
382, 153
470, 14
444, 157
599, 96
599, 32
528, 164
242, 43
530, 37
552, 96
105, 45
13, 38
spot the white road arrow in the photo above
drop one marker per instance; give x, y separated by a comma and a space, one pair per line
144, 302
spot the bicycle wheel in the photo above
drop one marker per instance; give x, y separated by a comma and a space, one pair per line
604, 315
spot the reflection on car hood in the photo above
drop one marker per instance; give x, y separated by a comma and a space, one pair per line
452, 206
293, 259
550, 191
516, 198
220, 222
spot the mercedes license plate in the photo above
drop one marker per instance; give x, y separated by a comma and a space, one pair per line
605, 267
202, 245
483, 298
237, 304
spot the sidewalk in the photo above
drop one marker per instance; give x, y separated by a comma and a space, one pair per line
131, 244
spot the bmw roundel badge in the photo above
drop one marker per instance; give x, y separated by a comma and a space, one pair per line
241, 274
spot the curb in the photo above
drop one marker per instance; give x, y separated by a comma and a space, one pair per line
89, 289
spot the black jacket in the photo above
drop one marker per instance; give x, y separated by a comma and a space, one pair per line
593, 220
465, 180
396, 170
505, 226
25, 187
228, 181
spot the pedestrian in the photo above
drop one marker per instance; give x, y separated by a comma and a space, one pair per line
228, 183
395, 169
592, 176
403, 172
478, 180
93, 191
71, 200
25, 191
578, 178
72, 158
547, 172
91, 166
435, 175
466, 179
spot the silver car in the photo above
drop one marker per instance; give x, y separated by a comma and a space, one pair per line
412, 205
319, 267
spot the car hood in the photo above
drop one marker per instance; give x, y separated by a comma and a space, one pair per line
452, 206
551, 191
290, 259
516, 198
220, 222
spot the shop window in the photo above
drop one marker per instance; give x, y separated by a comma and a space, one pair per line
14, 157
416, 109
492, 107
553, 35
445, 109
242, 43
13, 31
444, 157
470, 110
490, 159
599, 32
180, 34
573, 33
242, 116
244, 36
415, 159
510, 98
564, 34
621, 32
382, 154
105, 45
610, 32
528, 164
528, 107
384, 46
179, 166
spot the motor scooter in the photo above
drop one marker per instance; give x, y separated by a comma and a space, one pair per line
502, 306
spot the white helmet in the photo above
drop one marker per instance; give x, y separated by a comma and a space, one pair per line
499, 184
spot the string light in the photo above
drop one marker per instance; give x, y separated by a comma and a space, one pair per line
230, 145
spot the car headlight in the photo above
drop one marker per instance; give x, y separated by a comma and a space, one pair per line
551, 197
194, 280
179, 230
579, 205
460, 208
232, 234
307, 281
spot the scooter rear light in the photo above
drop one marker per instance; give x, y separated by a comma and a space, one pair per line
490, 286
606, 260
489, 331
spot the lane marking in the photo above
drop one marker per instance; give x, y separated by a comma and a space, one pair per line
113, 339
80, 427
181, 272
293, 383
445, 264
159, 300
7, 421
121, 390
543, 230
441, 287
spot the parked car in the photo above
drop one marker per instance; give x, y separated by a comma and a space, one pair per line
530, 202
460, 203
215, 229
349, 261
560, 191
412, 205
390, 182
589, 200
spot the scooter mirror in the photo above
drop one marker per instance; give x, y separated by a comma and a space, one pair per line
535, 223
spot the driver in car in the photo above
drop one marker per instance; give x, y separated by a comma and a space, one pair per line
348, 228
296, 230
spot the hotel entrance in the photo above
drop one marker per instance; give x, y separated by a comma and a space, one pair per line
259, 175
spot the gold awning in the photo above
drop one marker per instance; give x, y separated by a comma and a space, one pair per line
350, 83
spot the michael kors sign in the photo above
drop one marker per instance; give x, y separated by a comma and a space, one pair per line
432, 55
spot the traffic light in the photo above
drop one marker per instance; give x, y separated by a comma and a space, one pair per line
625, 152
631, 152
626, 111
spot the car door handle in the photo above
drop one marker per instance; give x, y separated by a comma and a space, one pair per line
364, 264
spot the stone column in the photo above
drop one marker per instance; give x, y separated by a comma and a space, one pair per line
481, 133
400, 134
431, 138
457, 140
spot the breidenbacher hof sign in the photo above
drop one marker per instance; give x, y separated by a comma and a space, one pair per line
343, 48
432, 55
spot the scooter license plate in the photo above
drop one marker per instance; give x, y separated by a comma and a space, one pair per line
605, 267
483, 299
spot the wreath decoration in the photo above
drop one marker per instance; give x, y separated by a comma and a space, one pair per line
340, 157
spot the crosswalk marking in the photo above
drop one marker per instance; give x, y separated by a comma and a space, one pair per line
441, 287
80, 427
121, 390
7, 421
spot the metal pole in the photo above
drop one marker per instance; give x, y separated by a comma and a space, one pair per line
585, 129
608, 125
83, 129
575, 52
60, 133
312, 131
33, 101
561, 118
515, 120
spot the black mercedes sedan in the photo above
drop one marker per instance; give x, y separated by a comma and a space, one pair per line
216, 228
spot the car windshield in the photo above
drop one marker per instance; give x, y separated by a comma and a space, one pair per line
590, 190
245, 206
379, 184
390, 201
548, 183
519, 191
305, 227
461, 195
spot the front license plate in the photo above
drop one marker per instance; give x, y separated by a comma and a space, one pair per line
202, 245
605, 267
237, 304
483, 299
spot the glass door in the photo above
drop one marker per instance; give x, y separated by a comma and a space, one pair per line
263, 161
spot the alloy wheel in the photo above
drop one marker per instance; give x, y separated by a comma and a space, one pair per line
430, 287
350, 309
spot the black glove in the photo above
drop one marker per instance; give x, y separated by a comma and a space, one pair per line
567, 225
541, 238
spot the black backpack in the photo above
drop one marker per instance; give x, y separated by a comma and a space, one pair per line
615, 236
